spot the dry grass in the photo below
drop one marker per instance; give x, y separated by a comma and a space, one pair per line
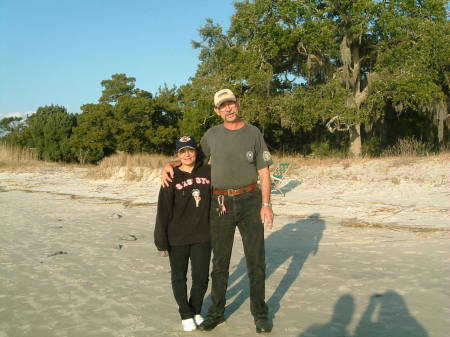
301, 163
147, 166
407, 147
16, 157
395, 181
134, 167
356, 223
302, 160
400, 160
353, 168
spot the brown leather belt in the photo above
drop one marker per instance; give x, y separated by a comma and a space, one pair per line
231, 193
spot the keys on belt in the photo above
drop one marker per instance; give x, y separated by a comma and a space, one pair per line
230, 192
222, 208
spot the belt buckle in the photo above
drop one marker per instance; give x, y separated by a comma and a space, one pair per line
230, 192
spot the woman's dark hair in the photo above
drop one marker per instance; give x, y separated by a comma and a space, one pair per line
200, 157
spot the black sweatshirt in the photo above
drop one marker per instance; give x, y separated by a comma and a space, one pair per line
183, 209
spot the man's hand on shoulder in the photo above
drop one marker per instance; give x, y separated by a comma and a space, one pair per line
167, 174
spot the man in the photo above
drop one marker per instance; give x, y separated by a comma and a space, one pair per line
238, 155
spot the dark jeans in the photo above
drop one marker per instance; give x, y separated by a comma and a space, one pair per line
200, 255
243, 211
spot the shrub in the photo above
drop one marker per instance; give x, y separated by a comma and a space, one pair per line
408, 147
372, 147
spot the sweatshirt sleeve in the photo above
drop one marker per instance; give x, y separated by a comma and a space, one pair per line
164, 215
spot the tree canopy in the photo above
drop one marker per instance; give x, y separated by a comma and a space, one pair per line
352, 76
50, 129
298, 64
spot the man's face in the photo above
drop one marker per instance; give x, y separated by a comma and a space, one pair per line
228, 111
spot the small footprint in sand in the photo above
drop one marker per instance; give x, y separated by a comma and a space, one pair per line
57, 253
129, 237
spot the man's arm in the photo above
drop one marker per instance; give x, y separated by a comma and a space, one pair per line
167, 172
266, 184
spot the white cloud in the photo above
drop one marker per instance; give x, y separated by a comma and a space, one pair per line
23, 114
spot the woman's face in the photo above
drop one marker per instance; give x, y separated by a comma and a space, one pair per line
187, 156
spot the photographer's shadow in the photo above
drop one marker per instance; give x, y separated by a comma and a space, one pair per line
338, 325
295, 241
386, 315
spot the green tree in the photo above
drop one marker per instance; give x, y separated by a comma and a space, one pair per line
117, 86
298, 64
92, 138
50, 129
126, 119
413, 63
9, 124
146, 124
14, 131
166, 119
132, 119
197, 107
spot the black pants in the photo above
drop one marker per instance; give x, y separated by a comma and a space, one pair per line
200, 255
243, 211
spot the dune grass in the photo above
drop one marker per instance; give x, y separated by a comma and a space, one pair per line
12, 156
126, 166
138, 167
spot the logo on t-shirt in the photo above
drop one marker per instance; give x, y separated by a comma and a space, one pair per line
191, 181
266, 156
197, 197
250, 156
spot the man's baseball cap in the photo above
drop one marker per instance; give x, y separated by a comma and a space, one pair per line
185, 141
224, 95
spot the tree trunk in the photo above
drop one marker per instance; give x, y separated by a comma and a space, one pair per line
355, 140
351, 60
442, 113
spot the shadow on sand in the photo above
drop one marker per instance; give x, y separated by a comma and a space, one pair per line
386, 315
295, 242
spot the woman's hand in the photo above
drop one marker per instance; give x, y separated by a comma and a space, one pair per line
163, 253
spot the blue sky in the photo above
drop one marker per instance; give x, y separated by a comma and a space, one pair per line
58, 51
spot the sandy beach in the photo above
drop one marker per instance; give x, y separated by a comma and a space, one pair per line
359, 248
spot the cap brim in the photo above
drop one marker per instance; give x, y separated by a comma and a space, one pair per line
184, 147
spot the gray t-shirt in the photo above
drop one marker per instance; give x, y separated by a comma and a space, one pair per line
236, 155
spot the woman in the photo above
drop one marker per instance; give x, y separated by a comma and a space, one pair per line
182, 230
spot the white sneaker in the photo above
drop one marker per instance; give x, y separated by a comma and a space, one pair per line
198, 319
188, 324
